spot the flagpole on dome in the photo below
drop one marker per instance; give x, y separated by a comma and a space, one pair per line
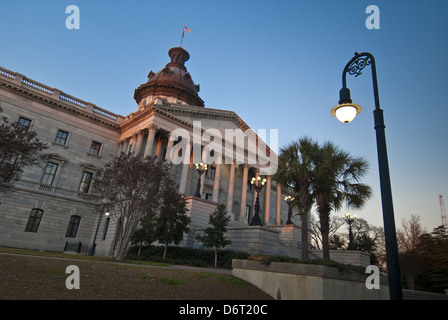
183, 32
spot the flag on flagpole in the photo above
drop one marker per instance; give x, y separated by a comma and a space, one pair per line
183, 31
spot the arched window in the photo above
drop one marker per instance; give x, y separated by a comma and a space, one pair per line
34, 220
73, 225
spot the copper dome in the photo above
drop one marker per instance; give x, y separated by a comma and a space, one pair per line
171, 81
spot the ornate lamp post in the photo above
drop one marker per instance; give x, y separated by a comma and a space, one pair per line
258, 185
350, 219
200, 167
289, 200
346, 112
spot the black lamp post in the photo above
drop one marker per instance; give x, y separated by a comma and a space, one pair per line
258, 185
289, 200
92, 249
350, 219
345, 112
200, 167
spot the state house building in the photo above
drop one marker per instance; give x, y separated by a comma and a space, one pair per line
50, 208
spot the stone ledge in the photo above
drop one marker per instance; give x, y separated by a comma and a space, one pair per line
303, 269
294, 281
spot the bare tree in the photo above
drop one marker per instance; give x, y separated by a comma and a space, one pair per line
408, 238
316, 236
409, 233
130, 186
19, 148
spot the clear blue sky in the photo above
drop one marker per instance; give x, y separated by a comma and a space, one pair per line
277, 64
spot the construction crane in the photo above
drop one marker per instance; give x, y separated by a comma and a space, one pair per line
442, 210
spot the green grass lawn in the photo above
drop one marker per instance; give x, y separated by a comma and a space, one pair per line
30, 275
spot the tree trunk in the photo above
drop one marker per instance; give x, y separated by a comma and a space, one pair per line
216, 257
165, 251
410, 278
325, 246
139, 249
304, 237
325, 230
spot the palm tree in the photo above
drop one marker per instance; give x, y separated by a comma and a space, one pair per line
337, 176
296, 172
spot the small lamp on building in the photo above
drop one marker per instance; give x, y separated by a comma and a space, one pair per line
289, 201
258, 185
200, 167
349, 219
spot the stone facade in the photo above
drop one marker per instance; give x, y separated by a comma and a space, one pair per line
51, 209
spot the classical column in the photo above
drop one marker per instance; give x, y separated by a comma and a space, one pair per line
231, 183
190, 175
244, 192
159, 148
138, 145
150, 142
120, 147
171, 139
185, 171
129, 145
267, 202
279, 203
216, 182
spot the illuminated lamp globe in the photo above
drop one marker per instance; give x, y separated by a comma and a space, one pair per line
346, 112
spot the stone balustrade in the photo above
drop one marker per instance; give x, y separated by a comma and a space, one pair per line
17, 79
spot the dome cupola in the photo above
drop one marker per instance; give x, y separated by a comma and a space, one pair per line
172, 83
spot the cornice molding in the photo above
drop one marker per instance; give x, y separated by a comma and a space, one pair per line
34, 95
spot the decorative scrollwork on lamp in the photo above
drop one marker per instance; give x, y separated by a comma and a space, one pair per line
358, 64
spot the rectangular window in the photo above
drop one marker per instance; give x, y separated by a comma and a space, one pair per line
49, 173
34, 220
211, 172
208, 196
24, 122
61, 137
95, 148
86, 180
73, 226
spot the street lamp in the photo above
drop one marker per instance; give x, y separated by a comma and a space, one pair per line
350, 219
258, 185
92, 249
345, 112
200, 167
289, 200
